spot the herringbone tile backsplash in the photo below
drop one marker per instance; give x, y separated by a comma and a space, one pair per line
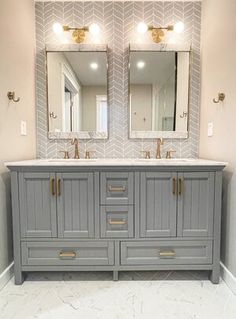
118, 21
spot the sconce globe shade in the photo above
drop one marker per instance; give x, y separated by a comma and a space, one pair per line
57, 28
142, 27
94, 29
179, 27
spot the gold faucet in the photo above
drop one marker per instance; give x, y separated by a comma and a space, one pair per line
159, 143
75, 142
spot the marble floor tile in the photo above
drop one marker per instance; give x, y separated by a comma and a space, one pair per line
137, 295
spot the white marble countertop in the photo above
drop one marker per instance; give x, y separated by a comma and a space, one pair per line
116, 162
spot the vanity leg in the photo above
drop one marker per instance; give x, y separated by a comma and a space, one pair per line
19, 277
215, 275
115, 275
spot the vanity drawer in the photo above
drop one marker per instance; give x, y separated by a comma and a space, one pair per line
66, 253
116, 188
116, 221
168, 253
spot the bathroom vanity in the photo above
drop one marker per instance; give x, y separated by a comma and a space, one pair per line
116, 214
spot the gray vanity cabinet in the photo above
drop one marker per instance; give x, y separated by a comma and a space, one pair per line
37, 201
75, 205
195, 204
158, 204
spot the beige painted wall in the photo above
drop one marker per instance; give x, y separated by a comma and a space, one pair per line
16, 73
219, 74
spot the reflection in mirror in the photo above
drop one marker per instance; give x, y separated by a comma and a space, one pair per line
159, 90
77, 93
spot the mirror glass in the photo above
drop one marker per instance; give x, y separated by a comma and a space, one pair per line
159, 94
77, 93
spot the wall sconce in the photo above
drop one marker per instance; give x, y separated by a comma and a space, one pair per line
158, 32
78, 34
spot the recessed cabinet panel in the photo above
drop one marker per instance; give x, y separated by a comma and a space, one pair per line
196, 204
75, 205
37, 205
158, 197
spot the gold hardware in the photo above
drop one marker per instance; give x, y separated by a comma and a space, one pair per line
52, 115
116, 189
174, 186
66, 154
184, 114
59, 187
78, 34
75, 142
147, 154
158, 33
167, 253
168, 154
52, 182
11, 96
67, 254
221, 97
180, 186
117, 222
159, 143
88, 154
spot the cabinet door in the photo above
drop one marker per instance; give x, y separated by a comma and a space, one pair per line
37, 205
75, 205
195, 204
158, 204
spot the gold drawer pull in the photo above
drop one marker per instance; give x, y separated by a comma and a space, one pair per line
174, 186
180, 186
52, 184
59, 187
117, 222
67, 254
167, 253
116, 189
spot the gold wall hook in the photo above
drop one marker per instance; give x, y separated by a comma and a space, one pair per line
11, 96
221, 97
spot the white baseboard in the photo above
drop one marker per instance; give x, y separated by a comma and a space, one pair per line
6, 275
228, 277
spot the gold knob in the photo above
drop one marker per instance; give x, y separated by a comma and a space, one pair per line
169, 154
66, 154
147, 154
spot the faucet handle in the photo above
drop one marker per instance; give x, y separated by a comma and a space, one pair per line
169, 153
160, 140
66, 154
147, 154
88, 154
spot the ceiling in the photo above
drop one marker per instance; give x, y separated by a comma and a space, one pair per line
80, 63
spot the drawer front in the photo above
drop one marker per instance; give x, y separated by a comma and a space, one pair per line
116, 221
166, 253
59, 253
116, 188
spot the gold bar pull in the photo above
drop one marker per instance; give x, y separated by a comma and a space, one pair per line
167, 253
117, 222
180, 186
67, 254
116, 189
59, 187
174, 186
52, 184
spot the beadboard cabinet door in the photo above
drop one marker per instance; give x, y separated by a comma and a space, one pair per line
75, 205
158, 199
37, 196
195, 204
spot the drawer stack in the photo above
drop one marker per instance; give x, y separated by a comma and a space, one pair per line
116, 205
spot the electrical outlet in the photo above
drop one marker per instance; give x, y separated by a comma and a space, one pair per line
210, 129
23, 129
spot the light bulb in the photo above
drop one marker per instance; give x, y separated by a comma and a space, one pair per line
179, 27
57, 28
142, 27
140, 64
94, 65
94, 29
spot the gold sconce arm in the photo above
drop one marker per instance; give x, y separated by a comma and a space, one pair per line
11, 96
221, 97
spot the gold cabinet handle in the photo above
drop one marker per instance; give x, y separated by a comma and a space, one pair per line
117, 222
67, 254
174, 186
116, 189
59, 187
167, 253
180, 186
52, 184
